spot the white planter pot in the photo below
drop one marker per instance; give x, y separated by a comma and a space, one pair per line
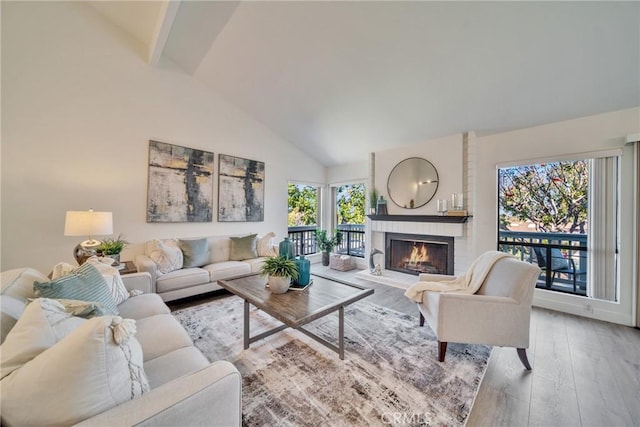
279, 284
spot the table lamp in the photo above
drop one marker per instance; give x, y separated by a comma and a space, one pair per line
90, 224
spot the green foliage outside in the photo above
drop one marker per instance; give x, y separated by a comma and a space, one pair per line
552, 196
351, 204
302, 205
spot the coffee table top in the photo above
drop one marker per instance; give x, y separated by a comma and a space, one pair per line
296, 308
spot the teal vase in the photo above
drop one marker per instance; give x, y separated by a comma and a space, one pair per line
304, 271
287, 249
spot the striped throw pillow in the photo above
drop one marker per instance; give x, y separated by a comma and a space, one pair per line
85, 284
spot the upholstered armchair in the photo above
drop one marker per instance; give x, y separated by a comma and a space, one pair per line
497, 314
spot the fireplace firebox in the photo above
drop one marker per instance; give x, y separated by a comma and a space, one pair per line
415, 254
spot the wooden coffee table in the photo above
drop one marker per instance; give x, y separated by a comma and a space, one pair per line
297, 308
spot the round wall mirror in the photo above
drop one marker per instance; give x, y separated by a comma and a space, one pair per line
412, 183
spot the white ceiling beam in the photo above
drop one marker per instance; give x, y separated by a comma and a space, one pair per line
163, 28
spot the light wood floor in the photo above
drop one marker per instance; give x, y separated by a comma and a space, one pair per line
585, 372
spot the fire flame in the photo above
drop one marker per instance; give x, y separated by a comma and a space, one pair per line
419, 253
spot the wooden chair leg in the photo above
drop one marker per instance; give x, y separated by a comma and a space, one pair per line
421, 319
522, 354
442, 349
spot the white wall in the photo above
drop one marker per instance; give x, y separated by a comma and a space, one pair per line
444, 153
78, 109
581, 135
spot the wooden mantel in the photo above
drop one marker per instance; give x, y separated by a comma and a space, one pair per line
421, 218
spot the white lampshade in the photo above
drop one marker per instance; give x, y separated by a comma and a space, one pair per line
88, 223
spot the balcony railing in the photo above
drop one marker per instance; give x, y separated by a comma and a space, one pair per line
562, 257
352, 239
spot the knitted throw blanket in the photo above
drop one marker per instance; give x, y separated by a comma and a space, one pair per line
467, 283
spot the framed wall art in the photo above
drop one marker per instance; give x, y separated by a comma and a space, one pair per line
240, 189
180, 186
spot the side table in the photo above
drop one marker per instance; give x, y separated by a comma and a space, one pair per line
129, 267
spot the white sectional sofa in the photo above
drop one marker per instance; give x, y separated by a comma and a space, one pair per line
228, 256
185, 389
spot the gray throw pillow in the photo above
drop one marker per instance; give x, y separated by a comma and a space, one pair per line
85, 284
195, 252
244, 247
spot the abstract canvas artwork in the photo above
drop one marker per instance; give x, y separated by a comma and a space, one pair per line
180, 184
240, 189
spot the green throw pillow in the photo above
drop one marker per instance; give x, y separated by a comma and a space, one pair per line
244, 247
195, 252
85, 284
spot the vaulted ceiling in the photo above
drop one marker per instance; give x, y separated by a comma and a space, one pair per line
339, 79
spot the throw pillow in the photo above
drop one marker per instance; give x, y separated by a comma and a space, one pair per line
114, 280
195, 252
84, 374
167, 255
244, 248
85, 284
111, 276
43, 323
265, 245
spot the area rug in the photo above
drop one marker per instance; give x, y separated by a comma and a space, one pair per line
390, 375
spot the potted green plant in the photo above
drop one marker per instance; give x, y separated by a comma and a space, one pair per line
326, 244
111, 247
373, 200
280, 271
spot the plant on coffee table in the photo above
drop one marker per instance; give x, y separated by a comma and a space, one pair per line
280, 271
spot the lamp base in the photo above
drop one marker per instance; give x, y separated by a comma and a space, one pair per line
82, 253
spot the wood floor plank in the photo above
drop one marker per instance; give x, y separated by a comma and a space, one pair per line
496, 408
553, 404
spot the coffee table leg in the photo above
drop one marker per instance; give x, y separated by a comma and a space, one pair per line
246, 324
341, 333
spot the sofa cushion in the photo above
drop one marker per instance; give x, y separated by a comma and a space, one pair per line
17, 287
43, 323
255, 264
244, 247
174, 364
181, 279
166, 254
86, 284
160, 334
224, 270
195, 252
266, 247
84, 374
141, 306
18, 283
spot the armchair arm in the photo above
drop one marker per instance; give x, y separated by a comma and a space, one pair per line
483, 319
428, 277
140, 281
145, 264
211, 396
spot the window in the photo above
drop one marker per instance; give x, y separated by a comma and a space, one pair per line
562, 215
350, 217
302, 216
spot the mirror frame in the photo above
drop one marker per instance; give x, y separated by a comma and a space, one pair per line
401, 169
